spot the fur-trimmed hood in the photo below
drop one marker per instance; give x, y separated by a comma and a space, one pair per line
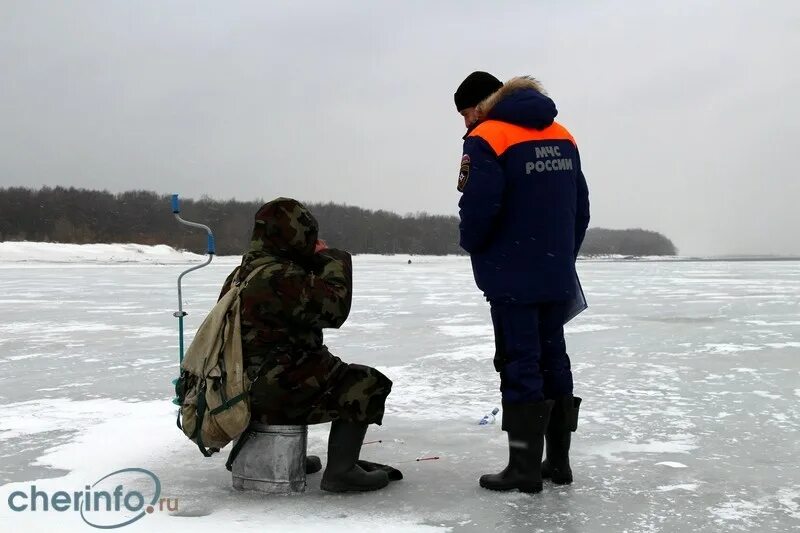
520, 101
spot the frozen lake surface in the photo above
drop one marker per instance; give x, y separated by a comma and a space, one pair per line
689, 372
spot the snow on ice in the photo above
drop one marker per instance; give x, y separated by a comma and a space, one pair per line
688, 371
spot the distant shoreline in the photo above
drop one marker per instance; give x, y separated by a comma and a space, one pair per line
70, 215
688, 259
27, 252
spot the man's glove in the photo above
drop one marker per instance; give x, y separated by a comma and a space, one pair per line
320, 246
498, 361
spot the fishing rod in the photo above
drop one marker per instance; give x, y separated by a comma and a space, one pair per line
400, 441
434, 458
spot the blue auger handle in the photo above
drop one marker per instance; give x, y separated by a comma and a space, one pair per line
176, 209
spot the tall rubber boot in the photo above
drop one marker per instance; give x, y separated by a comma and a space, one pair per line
525, 425
563, 422
342, 474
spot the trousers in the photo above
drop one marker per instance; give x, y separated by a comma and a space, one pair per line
530, 351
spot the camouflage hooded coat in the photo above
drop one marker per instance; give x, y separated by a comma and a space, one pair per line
296, 380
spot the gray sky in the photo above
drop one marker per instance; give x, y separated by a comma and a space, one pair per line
686, 113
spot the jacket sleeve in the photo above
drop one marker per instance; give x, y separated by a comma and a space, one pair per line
581, 208
319, 297
482, 183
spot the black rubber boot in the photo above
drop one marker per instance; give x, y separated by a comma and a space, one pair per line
525, 425
342, 474
313, 464
563, 422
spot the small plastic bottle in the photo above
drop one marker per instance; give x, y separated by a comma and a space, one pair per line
489, 418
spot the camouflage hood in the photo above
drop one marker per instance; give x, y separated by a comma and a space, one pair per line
283, 228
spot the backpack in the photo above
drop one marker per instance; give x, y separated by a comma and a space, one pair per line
213, 390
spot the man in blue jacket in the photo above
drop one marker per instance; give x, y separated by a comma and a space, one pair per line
524, 211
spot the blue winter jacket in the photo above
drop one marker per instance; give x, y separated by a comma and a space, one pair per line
525, 204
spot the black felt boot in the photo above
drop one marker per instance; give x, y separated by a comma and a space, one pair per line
563, 422
342, 474
313, 464
525, 425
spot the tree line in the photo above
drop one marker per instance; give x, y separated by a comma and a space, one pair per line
82, 216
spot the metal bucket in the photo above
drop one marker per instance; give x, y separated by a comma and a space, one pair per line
272, 460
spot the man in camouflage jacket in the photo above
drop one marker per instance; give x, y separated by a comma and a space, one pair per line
302, 288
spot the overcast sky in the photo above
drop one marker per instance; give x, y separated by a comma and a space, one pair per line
686, 113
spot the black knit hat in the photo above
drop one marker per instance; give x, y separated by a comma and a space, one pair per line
475, 88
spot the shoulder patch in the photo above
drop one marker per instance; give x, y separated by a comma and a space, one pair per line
463, 174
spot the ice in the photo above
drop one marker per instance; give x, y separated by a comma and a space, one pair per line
587, 328
741, 512
672, 464
688, 371
731, 348
790, 499
783, 345
616, 451
481, 330
691, 487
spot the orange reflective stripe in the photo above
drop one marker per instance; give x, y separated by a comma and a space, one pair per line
502, 135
